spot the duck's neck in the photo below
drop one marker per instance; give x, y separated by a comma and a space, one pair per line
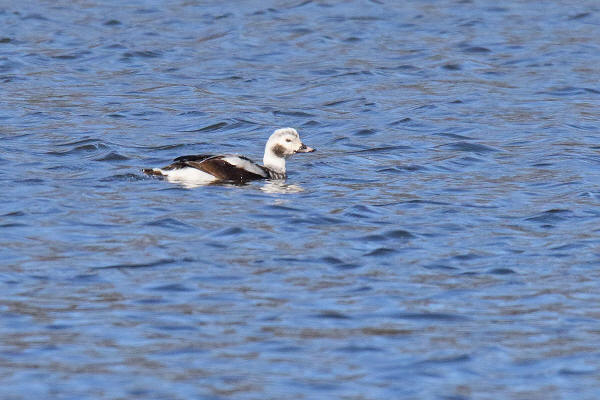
274, 162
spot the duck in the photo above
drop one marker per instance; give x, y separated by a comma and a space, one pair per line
209, 168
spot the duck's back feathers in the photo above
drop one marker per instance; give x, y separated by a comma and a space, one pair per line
230, 168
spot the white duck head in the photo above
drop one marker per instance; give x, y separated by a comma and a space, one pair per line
282, 144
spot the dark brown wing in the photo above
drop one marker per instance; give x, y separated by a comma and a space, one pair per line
225, 171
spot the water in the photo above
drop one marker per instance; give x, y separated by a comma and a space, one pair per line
443, 242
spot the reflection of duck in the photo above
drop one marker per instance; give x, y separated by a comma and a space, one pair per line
205, 168
280, 187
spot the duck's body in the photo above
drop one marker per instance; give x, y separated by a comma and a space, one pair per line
212, 168
205, 168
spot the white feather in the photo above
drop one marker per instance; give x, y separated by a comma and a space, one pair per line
244, 164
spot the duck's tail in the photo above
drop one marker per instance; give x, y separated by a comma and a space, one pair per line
152, 171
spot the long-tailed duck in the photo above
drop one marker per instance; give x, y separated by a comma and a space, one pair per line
207, 168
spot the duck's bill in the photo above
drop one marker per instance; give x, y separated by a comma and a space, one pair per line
305, 149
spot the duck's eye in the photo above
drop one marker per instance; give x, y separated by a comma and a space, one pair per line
288, 140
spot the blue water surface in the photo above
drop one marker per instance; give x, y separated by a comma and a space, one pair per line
442, 243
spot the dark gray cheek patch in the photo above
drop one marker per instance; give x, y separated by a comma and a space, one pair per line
278, 150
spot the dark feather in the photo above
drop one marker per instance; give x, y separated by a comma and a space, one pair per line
223, 170
194, 157
176, 165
